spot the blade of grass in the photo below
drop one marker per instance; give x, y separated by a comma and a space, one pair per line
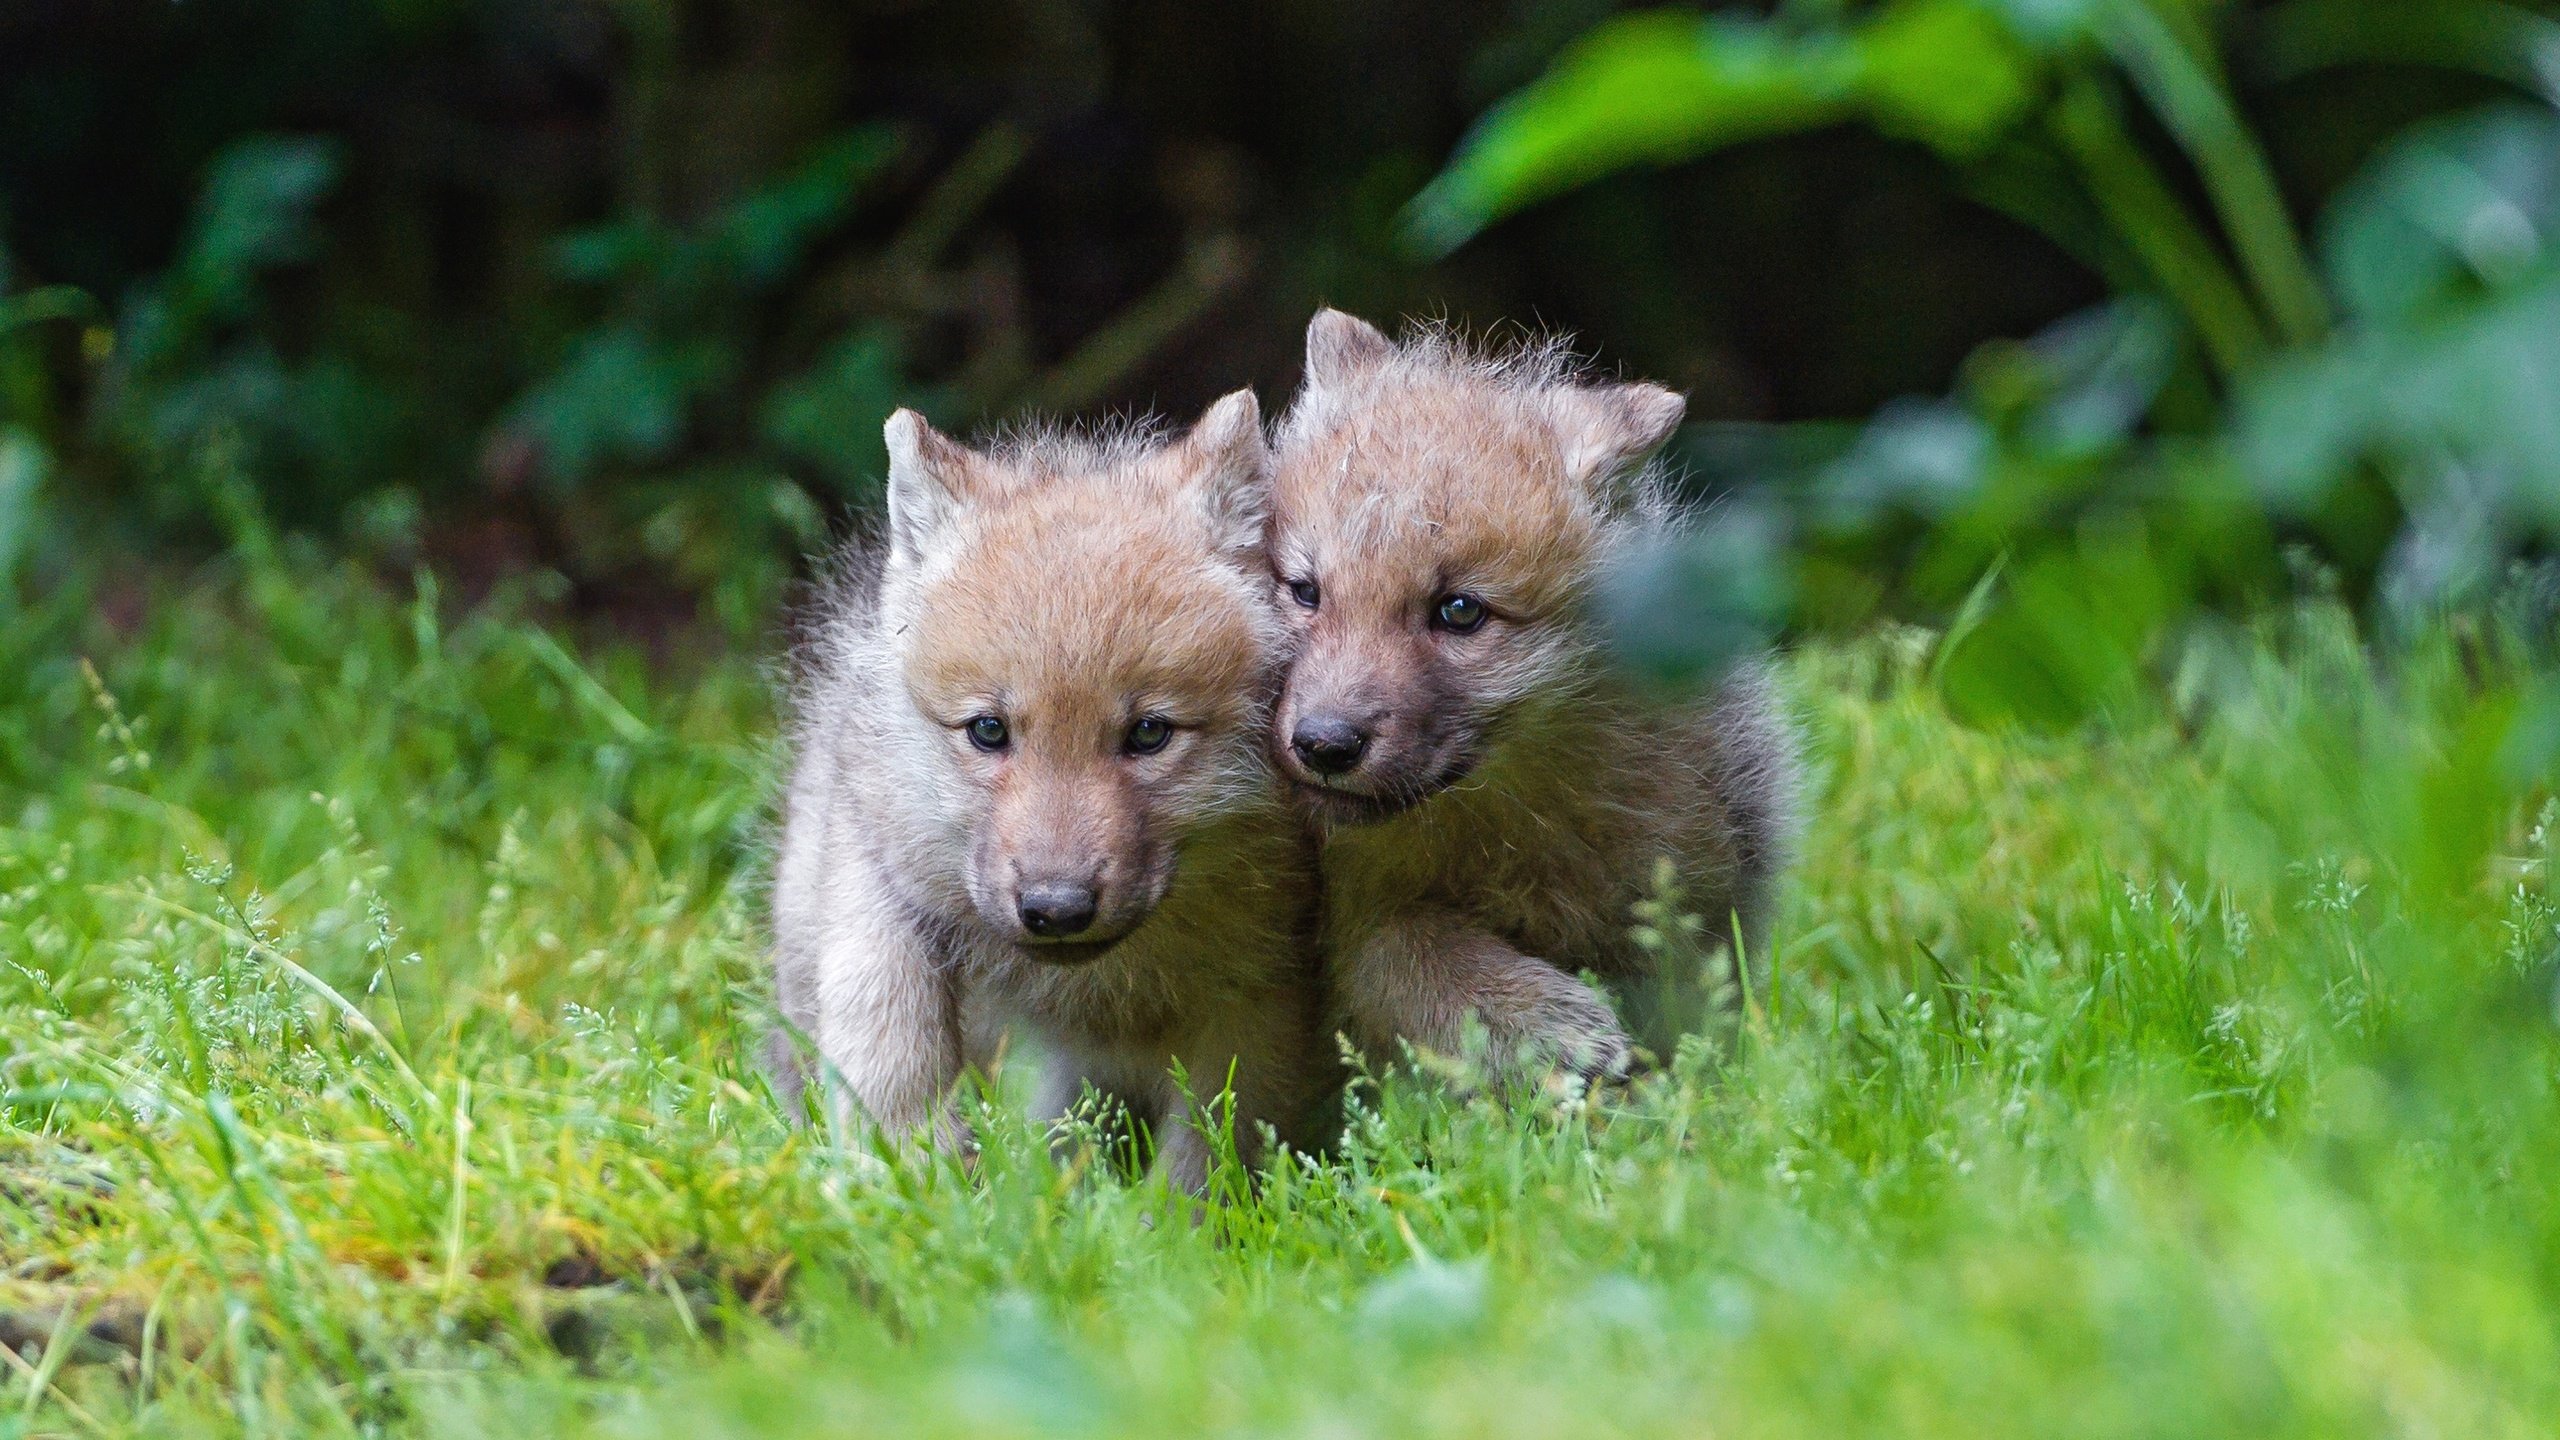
458, 1213
590, 691
328, 993
40, 1376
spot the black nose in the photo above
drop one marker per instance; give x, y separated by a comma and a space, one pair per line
1056, 911
1329, 744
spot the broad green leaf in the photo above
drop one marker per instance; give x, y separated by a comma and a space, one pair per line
2448, 210
2479, 389
1920, 457
1946, 74
2446, 253
1646, 89
2486, 37
1659, 87
51, 302
2083, 386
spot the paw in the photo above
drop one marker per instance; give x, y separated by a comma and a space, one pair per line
1577, 1035
1596, 1057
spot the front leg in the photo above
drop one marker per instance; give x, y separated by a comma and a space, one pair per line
1417, 977
888, 1019
1268, 1057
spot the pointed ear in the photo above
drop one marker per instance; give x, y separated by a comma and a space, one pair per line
1607, 430
1228, 468
1341, 349
928, 475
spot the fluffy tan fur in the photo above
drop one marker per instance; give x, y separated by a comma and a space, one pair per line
1068, 586
1441, 517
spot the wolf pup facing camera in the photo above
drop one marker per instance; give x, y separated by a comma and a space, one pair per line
1493, 799
1033, 790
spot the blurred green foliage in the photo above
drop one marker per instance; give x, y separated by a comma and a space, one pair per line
2388, 397
616, 291
1665, 86
2066, 293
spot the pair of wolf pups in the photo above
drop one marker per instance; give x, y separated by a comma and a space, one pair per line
1195, 753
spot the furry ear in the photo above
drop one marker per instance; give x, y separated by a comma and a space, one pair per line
1343, 348
1608, 429
928, 476
1227, 466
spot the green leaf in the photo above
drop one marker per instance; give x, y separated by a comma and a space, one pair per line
51, 302
601, 254
2450, 210
1682, 608
1923, 457
1660, 87
2479, 388
23, 463
2063, 637
829, 416
766, 233
621, 395
2447, 254
1650, 88
1948, 75
2173, 64
2504, 42
254, 215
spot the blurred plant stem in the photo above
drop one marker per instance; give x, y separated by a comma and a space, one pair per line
963, 190
2179, 257
2173, 67
1209, 271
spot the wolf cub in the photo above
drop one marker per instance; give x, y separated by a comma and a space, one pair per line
1493, 799
1032, 790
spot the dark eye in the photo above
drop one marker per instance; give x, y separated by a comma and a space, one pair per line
1459, 614
988, 732
1149, 735
1306, 593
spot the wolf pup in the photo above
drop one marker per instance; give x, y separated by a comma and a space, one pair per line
1033, 790
1493, 800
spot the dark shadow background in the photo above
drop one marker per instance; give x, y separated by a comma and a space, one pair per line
1171, 189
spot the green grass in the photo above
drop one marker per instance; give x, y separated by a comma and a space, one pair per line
369, 972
